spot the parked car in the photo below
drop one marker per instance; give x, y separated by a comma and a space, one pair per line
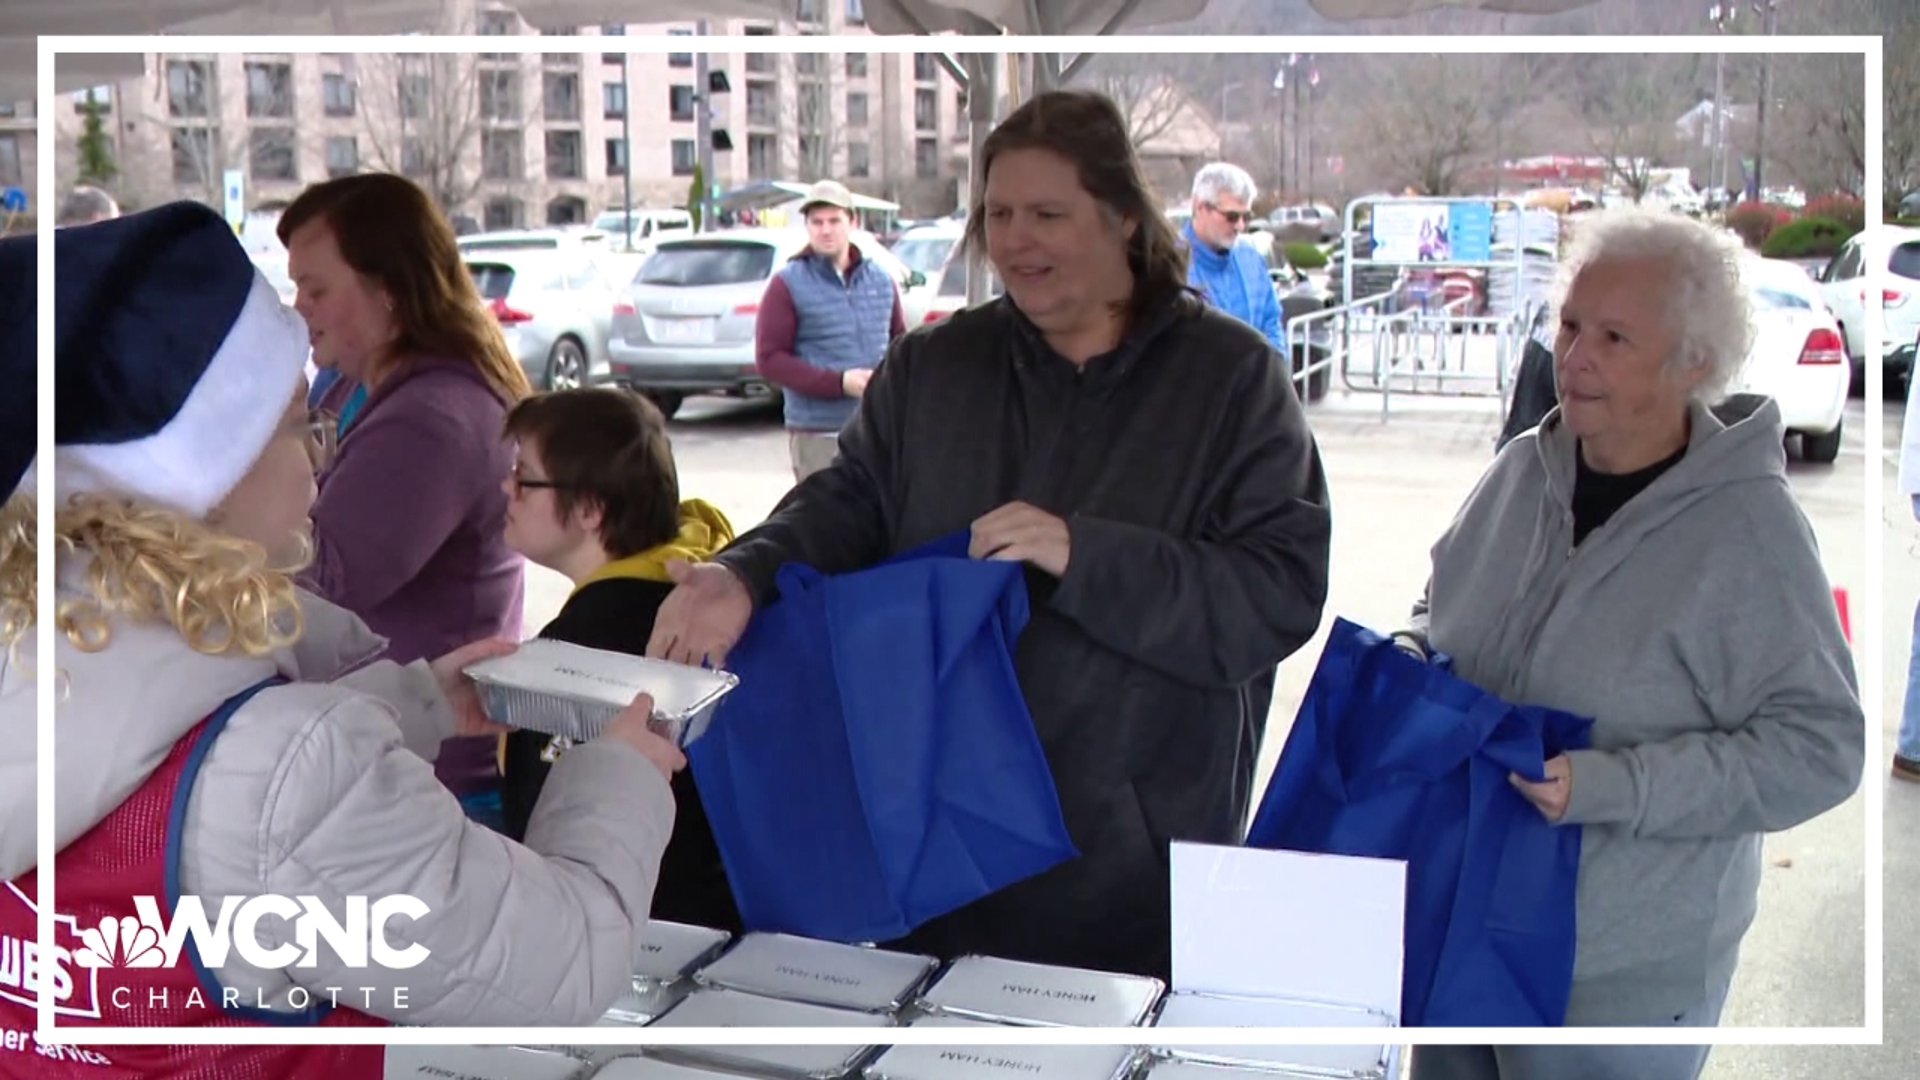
553, 299
925, 247
1798, 357
684, 325
1844, 283
648, 225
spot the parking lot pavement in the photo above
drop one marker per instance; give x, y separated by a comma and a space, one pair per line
1394, 487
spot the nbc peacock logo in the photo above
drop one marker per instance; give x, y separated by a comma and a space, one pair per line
124, 942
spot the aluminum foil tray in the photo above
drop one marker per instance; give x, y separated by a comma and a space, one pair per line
1038, 995
1011, 1062
730, 1008
480, 1063
819, 972
573, 691
1190, 1010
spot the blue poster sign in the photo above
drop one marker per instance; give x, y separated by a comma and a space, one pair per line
1471, 232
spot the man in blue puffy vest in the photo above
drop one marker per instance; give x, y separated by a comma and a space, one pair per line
1232, 275
824, 324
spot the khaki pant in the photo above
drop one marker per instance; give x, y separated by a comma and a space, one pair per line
811, 451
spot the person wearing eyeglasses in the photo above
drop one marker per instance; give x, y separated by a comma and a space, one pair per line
595, 495
1230, 273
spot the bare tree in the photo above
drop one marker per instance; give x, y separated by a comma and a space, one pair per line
192, 147
1148, 91
1426, 120
422, 115
1631, 104
817, 116
1900, 119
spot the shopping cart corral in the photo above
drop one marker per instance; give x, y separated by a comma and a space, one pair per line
1467, 277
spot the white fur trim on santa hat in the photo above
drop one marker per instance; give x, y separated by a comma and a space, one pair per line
219, 431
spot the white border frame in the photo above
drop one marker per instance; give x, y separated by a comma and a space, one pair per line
1868, 628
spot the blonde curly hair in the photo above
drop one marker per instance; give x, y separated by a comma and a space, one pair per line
151, 563
19, 582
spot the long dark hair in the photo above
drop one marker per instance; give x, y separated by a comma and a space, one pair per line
1088, 129
389, 229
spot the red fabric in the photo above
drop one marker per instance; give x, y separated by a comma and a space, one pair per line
773, 331
122, 857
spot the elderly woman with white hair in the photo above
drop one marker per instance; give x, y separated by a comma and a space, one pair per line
1640, 559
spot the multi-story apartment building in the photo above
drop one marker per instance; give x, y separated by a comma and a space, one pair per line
514, 138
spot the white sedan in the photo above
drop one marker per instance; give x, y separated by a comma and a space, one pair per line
1798, 357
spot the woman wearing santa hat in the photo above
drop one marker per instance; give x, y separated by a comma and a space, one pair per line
223, 734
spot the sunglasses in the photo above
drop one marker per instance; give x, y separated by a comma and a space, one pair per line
1234, 217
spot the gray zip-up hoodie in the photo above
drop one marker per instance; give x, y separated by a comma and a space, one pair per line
1698, 629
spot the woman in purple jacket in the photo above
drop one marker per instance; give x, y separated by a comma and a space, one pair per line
409, 528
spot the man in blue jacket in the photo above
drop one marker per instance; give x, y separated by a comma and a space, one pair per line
1232, 275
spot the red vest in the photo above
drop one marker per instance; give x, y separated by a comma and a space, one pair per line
128, 854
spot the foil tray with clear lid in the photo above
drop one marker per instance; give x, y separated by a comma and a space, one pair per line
569, 690
1038, 995
669, 954
1008, 1062
819, 972
653, 1068
480, 1063
718, 1007
1183, 1009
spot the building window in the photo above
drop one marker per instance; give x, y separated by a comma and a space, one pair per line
343, 155
616, 157
501, 213
808, 11
561, 97
503, 155
499, 95
192, 156
270, 91
336, 92
680, 103
100, 96
560, 59
613, 100
925, 67
807, 64
859, 163
270, 154
762, 157
760, 63
926, 159
413, 156
856, 13
856, 65
613, 30
762, 108
680, 59
563, 155
416, 88
813, 161
685, 157
9, 158
187, 87
856, 109
926, 110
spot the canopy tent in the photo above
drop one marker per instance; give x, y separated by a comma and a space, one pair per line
767, 194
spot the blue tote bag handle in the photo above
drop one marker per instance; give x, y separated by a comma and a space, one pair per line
1445, 720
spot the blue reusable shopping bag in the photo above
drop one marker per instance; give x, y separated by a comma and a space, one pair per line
1393, 758
877, 766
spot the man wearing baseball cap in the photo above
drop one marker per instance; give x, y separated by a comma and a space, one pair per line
825, 322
